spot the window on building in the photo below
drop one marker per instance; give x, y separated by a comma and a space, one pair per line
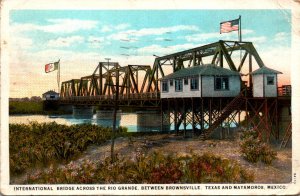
165, 87
270, 80
186, 81
194, 83
178, 85
221, 83
171, 82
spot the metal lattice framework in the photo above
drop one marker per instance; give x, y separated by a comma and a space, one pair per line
219, 53
132, 81
139, 87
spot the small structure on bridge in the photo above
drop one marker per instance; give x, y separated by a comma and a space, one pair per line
201, 81
265, 82
50, 96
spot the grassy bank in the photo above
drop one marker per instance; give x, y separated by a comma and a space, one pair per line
17, 107
30, 107
40, 144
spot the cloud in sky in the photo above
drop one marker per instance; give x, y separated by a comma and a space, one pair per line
162, 50
21, 43
281, 36
152, 31
65, 41
257, 40
109, 28
215, 35
96, 42
55, 26
68, 25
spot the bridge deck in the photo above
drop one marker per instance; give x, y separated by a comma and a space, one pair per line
147, 100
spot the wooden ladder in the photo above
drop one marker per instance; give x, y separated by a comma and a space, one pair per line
287, 136
233, 105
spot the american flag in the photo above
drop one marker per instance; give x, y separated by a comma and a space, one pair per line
228, 26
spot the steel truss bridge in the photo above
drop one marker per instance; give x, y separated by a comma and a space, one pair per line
100, 87
138, 86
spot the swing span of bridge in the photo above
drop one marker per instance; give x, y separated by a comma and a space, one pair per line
138, 86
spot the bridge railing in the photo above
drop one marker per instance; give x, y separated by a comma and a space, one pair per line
285, 91
134, 96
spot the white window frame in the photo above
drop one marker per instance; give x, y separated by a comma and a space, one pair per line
178, 85
194, 80
272, 80
165, 86
223, 83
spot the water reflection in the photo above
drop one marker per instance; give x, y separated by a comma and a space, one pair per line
107, 123
128, 120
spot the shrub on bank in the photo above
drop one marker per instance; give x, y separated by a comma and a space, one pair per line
254, 150
25, 107
38, 144
153, 168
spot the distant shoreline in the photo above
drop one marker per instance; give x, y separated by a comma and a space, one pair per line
32, 108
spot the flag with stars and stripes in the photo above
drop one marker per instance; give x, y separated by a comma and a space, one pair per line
228, 26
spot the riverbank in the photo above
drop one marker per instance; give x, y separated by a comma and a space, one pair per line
40, 144
133, 146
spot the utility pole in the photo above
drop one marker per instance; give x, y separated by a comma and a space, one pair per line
116, 107
108, 59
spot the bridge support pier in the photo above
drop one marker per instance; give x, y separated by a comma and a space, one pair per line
82, 111
148, 121
105, 117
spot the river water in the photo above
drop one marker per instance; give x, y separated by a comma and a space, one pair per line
128, 120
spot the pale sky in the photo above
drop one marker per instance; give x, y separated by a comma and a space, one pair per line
82, 38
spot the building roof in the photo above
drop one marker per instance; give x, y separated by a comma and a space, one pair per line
265, 70
51, 92
205, 70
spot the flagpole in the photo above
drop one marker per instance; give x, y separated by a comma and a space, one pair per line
240, 28
58, 76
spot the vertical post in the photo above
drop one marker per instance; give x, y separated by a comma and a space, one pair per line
161, 116
240, 28
127, 82
176, 116
246, 116
137, 80
239, 120
156, 76
184, 120
220, 113
58, 75
100, 78
266, 117
109, 78
202, 116
194, 59
174, 64
115, 116
221, 58
276, 119
250, 70
210, 112
169, 116
193, 117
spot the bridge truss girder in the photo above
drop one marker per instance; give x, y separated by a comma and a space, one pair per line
69, 88
217, 53
102, 81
